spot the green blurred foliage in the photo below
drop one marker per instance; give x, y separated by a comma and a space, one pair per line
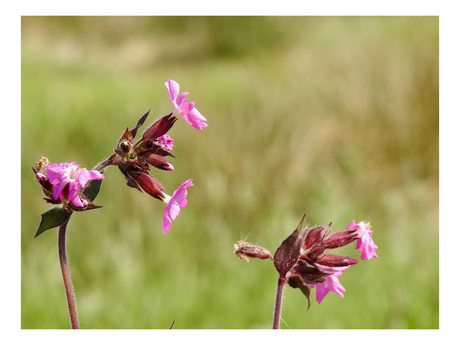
335, 117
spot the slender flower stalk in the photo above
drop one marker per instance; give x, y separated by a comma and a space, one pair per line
66, 277
278, 302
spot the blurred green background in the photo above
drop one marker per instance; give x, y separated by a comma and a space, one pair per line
335, 117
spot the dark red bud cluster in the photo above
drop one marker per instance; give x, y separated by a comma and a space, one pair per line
317, 241
301, 259
134, 159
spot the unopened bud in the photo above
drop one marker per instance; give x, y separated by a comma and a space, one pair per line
149, 185
316, 235
244, 250
332, 260
159, 162
159, 127
340, 239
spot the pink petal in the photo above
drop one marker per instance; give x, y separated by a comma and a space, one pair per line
181, 192
182, 203
166, 223
59, 186
365, 244
73, 190
352, 225
178, 201
321, 292
165, 142
367, 247
174, 210
181, 98
83, 178
186, 107
54, 173
331, 284
96, 175
77, 201
196, 114
58, 175
195, 119
173, 90
335, 286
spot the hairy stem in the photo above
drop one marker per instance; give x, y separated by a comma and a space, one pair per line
279, 302
66, 276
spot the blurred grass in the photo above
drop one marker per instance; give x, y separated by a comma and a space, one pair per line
336, 117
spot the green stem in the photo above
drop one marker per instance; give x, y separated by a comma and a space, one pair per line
66, 276
279, 302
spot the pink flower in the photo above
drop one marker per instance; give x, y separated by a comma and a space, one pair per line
365, 244
165, 142
183, 107
174, 204
61, 175
331, 284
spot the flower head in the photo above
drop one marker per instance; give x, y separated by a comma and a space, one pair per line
68, 179
365, 244
174, 204
302, 259
134, 159
183, 107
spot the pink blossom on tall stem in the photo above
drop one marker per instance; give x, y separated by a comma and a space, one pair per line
183, 107
165, 142
365, 244
331, 284
61, 175
174, 204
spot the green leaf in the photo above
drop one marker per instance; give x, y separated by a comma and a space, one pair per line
53, 218
92, 189
296, 282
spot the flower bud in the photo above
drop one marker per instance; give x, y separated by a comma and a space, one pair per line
125, 143
244, 249
332, 260
340, 239
316, 235
159, 127
144, 146
159, 162
149, 185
